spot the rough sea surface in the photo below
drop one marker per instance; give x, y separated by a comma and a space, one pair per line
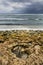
21, 21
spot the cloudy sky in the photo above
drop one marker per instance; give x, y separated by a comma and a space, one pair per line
21, 6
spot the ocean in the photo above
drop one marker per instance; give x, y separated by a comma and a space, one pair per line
21, 21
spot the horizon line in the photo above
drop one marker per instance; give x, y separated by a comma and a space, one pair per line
21, 14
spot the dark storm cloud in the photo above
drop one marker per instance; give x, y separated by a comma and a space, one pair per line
25, 0
34, 8
19, 0
21, 6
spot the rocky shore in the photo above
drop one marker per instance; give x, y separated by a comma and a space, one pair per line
21, 47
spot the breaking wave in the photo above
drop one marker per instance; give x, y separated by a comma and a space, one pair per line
12, 19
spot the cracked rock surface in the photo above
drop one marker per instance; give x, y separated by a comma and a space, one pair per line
21, 47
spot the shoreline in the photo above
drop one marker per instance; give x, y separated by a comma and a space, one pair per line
20, 27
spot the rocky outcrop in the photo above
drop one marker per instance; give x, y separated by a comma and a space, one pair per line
21, 47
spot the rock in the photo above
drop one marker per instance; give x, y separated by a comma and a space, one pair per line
21, 47
24, 56
37, 49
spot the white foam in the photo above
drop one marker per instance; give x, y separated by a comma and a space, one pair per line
21, 19
21, 27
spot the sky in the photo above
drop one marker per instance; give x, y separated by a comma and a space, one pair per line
21, 6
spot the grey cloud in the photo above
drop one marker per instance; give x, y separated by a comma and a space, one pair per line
34, 8
25, 0
5, 4
19, 0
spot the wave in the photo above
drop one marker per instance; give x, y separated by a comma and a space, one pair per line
18, 19
21, 27
36, 19
12, 19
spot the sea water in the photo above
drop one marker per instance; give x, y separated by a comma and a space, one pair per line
21, 21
